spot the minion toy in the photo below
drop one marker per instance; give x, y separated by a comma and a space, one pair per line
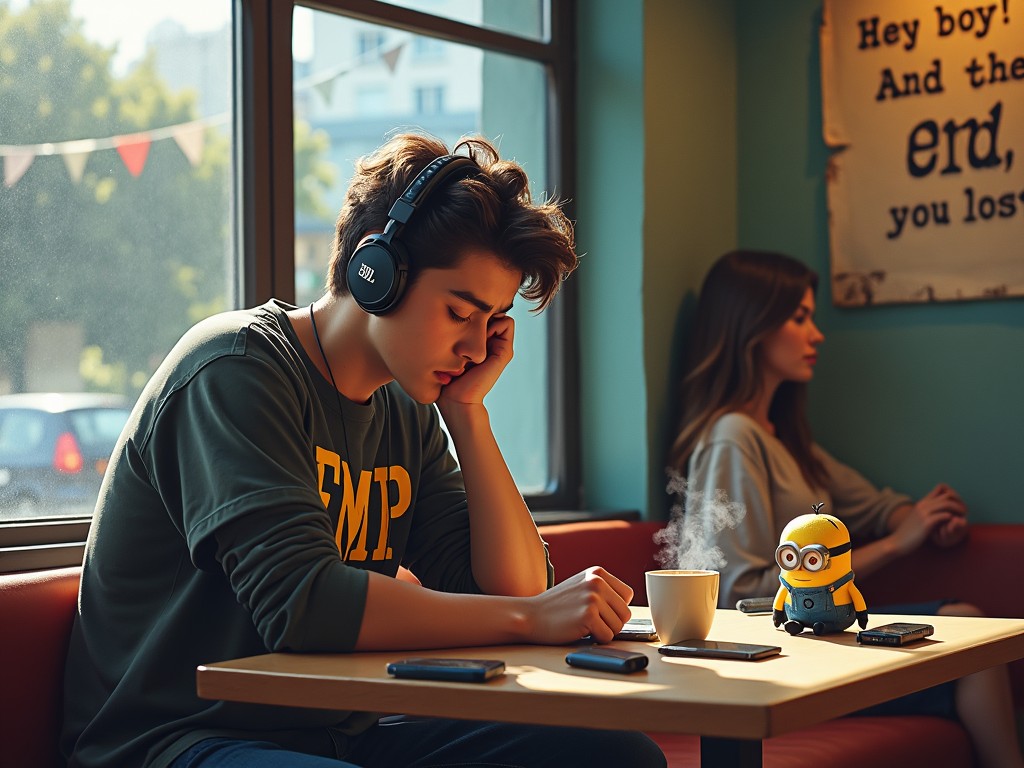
817, 588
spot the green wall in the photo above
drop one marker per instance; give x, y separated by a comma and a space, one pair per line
700, 130
609, 233
910, 395
657, 202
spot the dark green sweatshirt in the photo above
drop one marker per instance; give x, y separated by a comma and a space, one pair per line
230, 494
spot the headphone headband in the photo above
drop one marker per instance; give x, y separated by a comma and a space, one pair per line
432, 176
378, 267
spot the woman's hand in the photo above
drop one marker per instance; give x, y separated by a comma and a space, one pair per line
913, 524
954, 529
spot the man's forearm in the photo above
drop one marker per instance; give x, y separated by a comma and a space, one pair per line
507, 553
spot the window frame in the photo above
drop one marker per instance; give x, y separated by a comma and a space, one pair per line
263, 186
266, 43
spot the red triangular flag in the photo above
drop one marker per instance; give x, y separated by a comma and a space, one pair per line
133, 151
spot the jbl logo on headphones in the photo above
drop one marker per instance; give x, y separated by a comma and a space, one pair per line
385, 251
366, 272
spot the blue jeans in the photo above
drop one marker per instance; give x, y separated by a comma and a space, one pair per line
420, 742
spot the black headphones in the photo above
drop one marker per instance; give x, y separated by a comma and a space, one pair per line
379, 265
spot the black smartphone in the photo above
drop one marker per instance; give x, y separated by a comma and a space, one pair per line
637, 629
607, 659
719, 649
458, 670
895, 634
755, 604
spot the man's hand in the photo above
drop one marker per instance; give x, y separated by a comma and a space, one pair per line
592, 602
474, 384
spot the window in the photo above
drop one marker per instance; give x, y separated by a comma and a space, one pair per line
369, 43
141, 153
474, 89
427, 48
117, 202
429, 99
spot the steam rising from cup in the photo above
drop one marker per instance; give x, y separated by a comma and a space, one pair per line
689, 540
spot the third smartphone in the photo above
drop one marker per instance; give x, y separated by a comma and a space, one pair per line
719, 649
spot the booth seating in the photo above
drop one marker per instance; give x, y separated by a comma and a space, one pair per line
37, 607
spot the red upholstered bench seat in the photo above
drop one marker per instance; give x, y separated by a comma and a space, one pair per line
36, 611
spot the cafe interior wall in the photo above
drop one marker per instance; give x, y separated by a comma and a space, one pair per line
912, 394
656, 183
699, 130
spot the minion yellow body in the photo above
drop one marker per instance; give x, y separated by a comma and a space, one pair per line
816, 576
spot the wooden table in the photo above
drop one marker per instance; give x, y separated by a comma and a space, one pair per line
732, 705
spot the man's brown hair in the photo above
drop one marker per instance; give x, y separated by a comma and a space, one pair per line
491, 210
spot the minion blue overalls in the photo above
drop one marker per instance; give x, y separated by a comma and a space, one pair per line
812, 606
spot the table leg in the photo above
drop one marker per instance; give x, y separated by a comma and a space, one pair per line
729, 753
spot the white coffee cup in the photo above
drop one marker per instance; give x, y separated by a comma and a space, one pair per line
682, 603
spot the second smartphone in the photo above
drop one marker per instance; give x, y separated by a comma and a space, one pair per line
456, 670
607, 659
719, 649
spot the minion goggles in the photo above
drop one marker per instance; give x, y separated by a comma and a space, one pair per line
813, 557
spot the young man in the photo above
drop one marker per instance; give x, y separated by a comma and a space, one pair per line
284, 462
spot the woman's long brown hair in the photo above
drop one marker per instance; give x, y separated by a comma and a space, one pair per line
746, 295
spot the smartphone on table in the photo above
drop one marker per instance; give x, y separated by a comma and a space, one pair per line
607, 659
637, 629
755, 604
896, 634
456, 670
720, 649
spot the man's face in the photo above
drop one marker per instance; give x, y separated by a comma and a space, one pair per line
443, 323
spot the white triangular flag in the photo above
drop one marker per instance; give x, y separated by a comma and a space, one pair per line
15, 166
191, 138
75, 163
391, 57
326, 89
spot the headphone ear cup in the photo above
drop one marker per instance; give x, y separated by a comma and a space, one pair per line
376, 274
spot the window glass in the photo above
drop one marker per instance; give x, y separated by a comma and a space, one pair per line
21, 433
116, 203
98, 429
525, 18
347, 104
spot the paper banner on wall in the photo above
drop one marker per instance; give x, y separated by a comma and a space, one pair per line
924, 105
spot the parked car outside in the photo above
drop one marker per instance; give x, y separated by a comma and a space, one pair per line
54, 449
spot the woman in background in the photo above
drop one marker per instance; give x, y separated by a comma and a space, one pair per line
745, 431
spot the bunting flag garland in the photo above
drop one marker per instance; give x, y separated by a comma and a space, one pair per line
15, 165
391, 57
133, 149
75, 154
323, 82
190, 137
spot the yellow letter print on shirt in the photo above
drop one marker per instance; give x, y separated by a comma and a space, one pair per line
354, 516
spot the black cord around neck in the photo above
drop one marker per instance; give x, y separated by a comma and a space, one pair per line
341, 410
337, 394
